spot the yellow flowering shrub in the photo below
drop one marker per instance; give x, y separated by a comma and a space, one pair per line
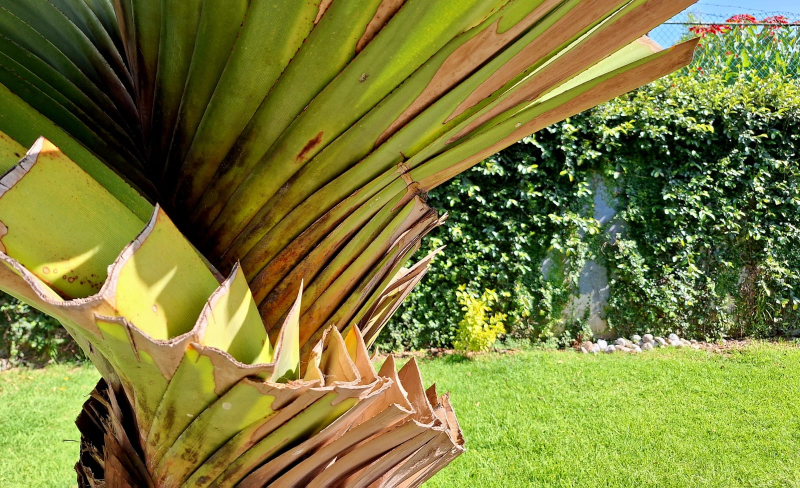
479, 328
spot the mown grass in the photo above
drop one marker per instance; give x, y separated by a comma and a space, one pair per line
37, 414
666, 418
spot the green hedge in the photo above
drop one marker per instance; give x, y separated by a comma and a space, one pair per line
28, 336
705, 172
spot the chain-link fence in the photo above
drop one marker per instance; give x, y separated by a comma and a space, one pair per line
761, 44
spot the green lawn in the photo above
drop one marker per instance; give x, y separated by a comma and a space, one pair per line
37, 415
665, 418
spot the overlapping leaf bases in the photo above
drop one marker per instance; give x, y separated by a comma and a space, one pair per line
194, 393
298, 139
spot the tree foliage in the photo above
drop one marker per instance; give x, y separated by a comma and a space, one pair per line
705, 172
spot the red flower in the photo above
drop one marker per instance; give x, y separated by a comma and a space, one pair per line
742, 19
705, 30
776, 19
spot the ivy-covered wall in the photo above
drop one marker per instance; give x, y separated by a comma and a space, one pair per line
704, 173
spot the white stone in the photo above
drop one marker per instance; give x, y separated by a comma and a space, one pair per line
636, 338
602, 344
661, 342
611, 349
673, 337
676, 343
583, 350
647, 346
648, 338
621, 342
637, 349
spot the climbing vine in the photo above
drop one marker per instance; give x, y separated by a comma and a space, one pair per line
703, 170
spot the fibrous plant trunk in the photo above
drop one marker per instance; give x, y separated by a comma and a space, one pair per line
221, 196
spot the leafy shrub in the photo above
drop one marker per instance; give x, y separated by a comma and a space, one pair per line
704, 168
29, 336
707, 173
506, 216
480, 328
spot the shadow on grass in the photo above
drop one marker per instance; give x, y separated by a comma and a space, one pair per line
455, 358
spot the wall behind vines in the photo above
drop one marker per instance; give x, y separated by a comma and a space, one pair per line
704, 171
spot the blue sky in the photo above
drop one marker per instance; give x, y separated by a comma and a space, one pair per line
722, 9
747, 6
